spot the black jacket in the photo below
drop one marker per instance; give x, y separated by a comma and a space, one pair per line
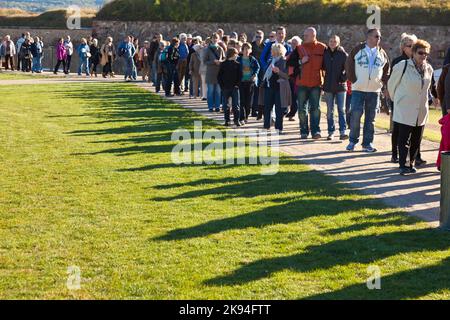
173, 55
230, 74
334, 66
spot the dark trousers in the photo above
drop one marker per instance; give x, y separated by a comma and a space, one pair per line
59, 63
394, 139
172, 76
107, 68
9, 62
294, 105
271, 98
68, 60
255, 97
26, 65
414, 136
348, 101
234, 95
246, 93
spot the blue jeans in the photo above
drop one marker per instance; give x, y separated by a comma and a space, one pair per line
363, 102
330, 99
84, 66
214, 96
271, 98
129, 66
172, 76
309, 105
37, 67
234, 94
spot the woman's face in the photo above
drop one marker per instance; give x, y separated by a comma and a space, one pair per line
421, 55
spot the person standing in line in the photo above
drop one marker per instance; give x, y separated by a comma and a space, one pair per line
171, 62
309, 83
408, 86
292, 60
257, 49
9, 50
108, 55
94, 59
250, 70
203, 68
276, 87
19, 43
335, 86
194, 71
69, 49
37, 52
367, 67
229, 78
61, 56
214, 56
25, 53
144, 61
84, 54
182, 65
127, 51
406, 43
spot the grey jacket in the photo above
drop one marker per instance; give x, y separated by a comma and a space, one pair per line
212, 70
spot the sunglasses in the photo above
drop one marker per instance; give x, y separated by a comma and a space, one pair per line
410, 46
377, 37
258, 37
423, 53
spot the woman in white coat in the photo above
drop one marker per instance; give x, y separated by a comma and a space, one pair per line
408, 87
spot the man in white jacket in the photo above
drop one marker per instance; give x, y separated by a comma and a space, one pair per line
367, 67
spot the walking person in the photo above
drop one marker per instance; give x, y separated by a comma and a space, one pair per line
214, 56
443, 89
69, 49
408, 86
127, 50
159, 67
203, 68
84, 54
309, 83
94, 59
279, 37
250, 70
136, 64
108, 55
335, 86
406, 43
229, 78
276, 87
367, 67
61, 56
37, 48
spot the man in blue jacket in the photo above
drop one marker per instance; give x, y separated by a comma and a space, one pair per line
266, 55
127, 50
183, 51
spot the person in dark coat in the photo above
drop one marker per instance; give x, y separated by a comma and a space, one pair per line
94, 59
335, 86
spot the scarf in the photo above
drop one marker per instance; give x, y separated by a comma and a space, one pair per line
269, 73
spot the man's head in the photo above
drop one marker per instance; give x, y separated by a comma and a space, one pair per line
215, 38
373, 38
175, 42
259, 36
310, 35
220, 32
68, 38
281, 34
183, 37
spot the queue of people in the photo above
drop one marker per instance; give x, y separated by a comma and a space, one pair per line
275, 79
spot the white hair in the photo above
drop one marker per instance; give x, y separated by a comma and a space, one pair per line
405, 38
183, 36
296, 38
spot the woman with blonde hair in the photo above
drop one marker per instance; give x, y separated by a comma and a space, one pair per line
108, 55
277, 90
408, 87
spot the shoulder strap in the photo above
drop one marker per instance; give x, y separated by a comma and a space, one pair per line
215, 53
403, 73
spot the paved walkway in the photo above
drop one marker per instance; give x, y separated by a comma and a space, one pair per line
372, 174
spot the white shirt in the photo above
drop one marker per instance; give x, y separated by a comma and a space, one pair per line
372, 54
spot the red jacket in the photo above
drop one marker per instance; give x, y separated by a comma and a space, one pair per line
312, 73
445, 142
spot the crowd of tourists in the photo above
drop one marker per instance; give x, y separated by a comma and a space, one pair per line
274, 78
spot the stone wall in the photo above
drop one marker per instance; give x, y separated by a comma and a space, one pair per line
438, 36
50, 38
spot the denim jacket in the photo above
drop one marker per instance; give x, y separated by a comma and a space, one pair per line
253, 64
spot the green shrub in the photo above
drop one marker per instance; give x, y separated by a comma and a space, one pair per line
431, 12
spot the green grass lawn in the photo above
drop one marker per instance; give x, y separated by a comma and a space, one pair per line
7, 75
87, 180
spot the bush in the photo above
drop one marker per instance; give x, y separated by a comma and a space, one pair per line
431, 12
